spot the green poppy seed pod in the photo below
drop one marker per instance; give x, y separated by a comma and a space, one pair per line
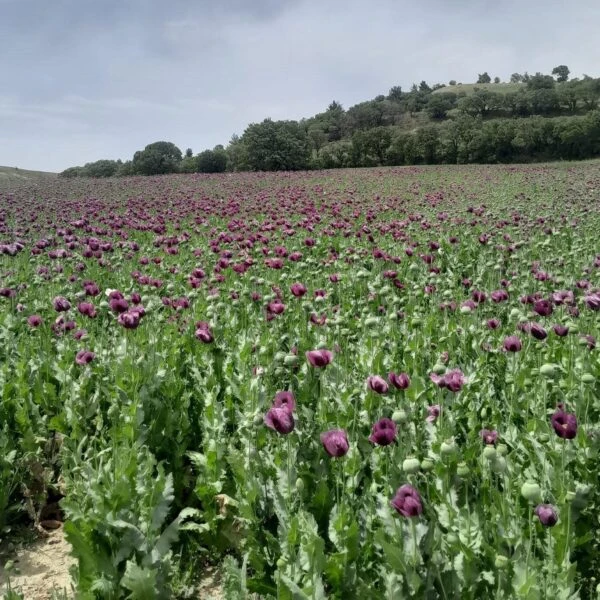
501, 561
452, 538
290, 360
411, 465
502, 449
371, 321
281, 563
490, 453
548, 370
515, 313
260, 281
573, 327
527, 382
570, 496
299, 484
448, 447
258, 419
464, 310
279, 356
439, 369
415, 322
483, 412
588, 378
462, 469
427, 464
392, 316
322, 345
499, 464
531, 491
543, 437
399, 416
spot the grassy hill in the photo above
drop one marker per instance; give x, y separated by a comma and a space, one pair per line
470, 88
11, 175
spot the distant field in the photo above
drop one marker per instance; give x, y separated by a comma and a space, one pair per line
13, 174
469, 88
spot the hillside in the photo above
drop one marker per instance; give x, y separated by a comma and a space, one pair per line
531, 118
470, 88
12, 175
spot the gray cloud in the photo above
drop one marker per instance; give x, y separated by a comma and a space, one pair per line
83, 79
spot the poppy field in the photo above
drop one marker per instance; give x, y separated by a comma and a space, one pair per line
374, 384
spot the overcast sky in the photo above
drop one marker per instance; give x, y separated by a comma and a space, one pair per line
82, 80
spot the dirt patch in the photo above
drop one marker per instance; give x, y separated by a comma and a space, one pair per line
40, 568
210, 585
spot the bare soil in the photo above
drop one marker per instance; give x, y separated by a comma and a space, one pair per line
40, 568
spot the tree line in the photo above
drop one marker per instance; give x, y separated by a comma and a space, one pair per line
534, 117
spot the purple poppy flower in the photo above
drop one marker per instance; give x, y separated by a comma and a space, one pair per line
512, 344
407, 501
400, 381
118, 305
203, 332
84, 357
276, 307
319, 358
433, 412
34, 321
280, 420
298, 289
589, 341
335, 442
453, 380
493, 323
542, 308
560, 330
61, 304
537, 331
383, 432
547, 515
499, 296
377, 384
129, 319
489, 436
284, 400
592, 301
87, 309
564, 424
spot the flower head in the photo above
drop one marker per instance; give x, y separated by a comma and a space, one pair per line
512, 344
377, 384
488, 436
319, 358
452, 380
407, 501
335, 442
280, 420
284, 400
547, 515
383, 432
400, 381
564, 424
84, 357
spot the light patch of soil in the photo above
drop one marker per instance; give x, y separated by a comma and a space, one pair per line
210, 585
40, 568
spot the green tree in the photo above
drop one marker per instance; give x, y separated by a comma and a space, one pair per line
516, 78
540, 81
484, 78
212, 161
276, 146
496, 79
189, 153
157, 158
561, 72
438, 105
395, 94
